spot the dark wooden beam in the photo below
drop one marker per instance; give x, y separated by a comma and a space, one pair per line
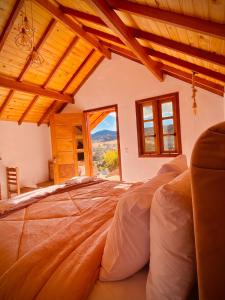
88, 75
30, 106
62, 58
78, 70
200, 82
50, 110
63, 105
10, 22
6, 102
172, 59
115, 24
170, 44
153, 38
40, 43
81, 15
67, 21
176, 19
33, 89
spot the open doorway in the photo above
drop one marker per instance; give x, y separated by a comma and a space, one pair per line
104, 145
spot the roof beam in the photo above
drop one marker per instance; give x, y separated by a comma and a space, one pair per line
88, 75
78, 70
187, 77
50, 110
81, 15
164, 56
176, 19
32, 103
33, 89
200, 82
10, 22
40, 43
153, 38
59, 15
115, 23
6, 102
170, 44
61, 60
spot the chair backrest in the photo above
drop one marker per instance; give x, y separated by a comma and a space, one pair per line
208, 194
12, 177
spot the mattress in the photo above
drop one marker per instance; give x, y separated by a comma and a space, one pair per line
132, 288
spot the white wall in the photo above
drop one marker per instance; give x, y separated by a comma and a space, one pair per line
121, 81
26, 146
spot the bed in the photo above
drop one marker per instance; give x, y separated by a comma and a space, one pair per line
51, 240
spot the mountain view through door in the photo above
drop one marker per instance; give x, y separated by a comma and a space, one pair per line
105, 154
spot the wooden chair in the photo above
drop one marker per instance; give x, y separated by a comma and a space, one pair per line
12, 177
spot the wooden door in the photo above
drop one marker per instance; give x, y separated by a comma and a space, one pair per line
69, 146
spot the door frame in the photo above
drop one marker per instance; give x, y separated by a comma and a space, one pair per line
113, 107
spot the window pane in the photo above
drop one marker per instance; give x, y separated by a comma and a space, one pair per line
168, 126
147, 112
167, 109
169, 143
149, 128
150, 144
78, 130
80, 144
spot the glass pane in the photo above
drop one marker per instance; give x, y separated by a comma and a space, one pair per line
147, 112
149, 128
80, 156
150, 144
80, 144
169, 143
78, 130
167, 109
168, 126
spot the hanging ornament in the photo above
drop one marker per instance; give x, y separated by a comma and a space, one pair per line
194, 90
36, 58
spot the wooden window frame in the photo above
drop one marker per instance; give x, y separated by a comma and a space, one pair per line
158, 121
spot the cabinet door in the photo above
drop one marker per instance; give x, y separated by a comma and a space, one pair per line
69, 146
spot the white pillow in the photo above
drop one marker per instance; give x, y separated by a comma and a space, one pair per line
127, 244
172, 259
178, 164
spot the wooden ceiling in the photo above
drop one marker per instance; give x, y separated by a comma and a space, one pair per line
170, 37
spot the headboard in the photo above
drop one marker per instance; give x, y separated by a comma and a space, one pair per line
208, 189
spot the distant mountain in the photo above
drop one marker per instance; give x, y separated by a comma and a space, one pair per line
104, 136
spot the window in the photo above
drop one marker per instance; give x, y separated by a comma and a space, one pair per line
158, 126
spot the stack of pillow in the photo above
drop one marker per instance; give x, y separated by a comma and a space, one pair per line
164, 203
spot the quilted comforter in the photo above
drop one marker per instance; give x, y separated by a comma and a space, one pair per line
51, 245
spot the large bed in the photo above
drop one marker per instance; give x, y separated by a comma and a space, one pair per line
52, 240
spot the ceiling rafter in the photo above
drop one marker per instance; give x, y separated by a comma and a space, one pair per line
59, 15
176, 19
33, 89
156, 39
88, 75
6, 102
50, 110
171, 71
177, 61
170, 44
30, 106
200, 82
115, 23
10, 22
78, 70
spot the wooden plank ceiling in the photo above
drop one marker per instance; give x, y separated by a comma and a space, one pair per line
170, 37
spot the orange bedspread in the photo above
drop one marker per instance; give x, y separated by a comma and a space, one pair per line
52, 249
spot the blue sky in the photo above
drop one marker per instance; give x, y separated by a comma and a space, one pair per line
108, 123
